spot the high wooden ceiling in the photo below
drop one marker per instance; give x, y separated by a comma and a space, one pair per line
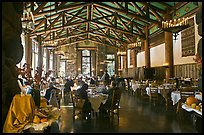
106, 23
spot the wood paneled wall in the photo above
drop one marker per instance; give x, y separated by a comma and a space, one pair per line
184, 70
187, 71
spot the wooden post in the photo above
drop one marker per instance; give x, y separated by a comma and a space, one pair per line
169, 52
146, 48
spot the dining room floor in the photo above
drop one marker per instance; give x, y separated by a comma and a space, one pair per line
137, 115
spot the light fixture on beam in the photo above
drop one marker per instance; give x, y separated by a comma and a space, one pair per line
28, 22
136, 45
59, 53
175, 25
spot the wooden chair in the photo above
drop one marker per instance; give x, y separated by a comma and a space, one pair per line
185, 92
167, 96
77, 105
154, 96
115, 103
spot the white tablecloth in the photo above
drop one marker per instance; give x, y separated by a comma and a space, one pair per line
96, 100
175, 96
136, 86
189, 109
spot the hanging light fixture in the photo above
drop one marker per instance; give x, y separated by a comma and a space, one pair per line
136, 45
175, 25
28, 21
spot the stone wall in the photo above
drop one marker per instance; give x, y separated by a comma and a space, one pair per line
71, 67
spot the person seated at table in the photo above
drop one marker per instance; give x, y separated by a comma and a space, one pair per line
49, 93
92, 80
67, 88
82, 93
108, 102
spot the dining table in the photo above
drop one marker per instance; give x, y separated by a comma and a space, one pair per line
175, 96
97, 99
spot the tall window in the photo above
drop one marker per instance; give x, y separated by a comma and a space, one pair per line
86, 63
111, 64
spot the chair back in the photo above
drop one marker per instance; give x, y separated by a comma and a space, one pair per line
76, 100
185, 92
154, 92
116, 98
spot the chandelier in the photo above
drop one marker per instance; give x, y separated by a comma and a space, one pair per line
59, 53
175, 25
28, 22
136, 45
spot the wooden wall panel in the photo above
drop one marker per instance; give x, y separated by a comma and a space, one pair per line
188, 39
186, 70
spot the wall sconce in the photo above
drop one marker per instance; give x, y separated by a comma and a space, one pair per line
79, 69
92, 69
166, 65
121, 53
119, 69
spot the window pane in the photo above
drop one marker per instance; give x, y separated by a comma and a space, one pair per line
85, 53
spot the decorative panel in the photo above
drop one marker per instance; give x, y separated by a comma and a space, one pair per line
188, 39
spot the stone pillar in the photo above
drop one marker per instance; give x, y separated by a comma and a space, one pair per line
47, 60
53, 63
146, 48
93, 63
28, 49
116, 63
78, 62
169, 54
119, 65
40, 55
134, 57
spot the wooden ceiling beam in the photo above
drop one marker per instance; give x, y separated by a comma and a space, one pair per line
56, 19
63, 8
103, 16
138, 8
126, 27
127, 13
117, 29
154, 7
76, 15
38, 26
39, 8
58, 28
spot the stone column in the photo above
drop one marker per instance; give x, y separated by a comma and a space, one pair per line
134, 57
146, 48
54, 62
28, 49
119, 65
116, 63
40, 55
47, 59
